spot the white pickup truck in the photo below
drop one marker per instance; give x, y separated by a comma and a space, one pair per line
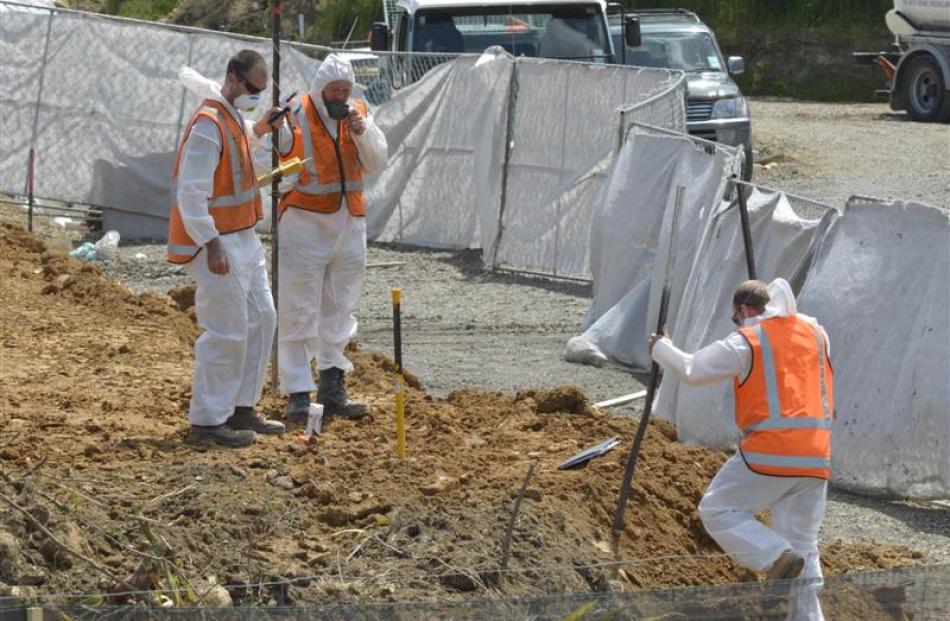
919, 66
564, 29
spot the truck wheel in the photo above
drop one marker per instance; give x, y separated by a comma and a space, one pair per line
925, 91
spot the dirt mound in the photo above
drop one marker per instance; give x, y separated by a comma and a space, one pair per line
101, 492
565, 399
183, 297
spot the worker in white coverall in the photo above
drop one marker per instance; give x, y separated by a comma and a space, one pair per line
779, 363
323, 240
211, 234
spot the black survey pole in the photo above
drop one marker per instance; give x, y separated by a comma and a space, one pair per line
275, 182
746, 230
634, 453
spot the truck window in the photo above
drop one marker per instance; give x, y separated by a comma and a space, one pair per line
687, 51
572, 32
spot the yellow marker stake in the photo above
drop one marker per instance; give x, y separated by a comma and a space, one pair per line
401, 389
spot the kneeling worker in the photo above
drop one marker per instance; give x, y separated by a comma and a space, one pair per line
211, 234
323, 240
779, 363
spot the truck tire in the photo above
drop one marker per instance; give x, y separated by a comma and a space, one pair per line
924, 90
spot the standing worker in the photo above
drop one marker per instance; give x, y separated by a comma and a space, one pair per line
323, 240
780, 367
211, 233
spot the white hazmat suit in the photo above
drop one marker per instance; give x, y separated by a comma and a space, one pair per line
322, 261
235, 310
736, 494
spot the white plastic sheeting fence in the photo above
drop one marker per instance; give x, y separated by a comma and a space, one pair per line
509, 155
627, 229
99, 101
876, 274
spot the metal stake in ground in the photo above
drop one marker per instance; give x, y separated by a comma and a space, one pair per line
401, 382
275, 183
31, 160
654, 379
746, 230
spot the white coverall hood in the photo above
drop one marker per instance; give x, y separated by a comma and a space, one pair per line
198, 85
781, 299
334, 68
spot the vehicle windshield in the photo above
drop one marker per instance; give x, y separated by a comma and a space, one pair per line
572, 31
687, 51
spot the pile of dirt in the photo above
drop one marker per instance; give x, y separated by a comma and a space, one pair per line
101, 491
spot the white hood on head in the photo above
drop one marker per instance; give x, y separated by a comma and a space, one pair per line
198, 85
781, 299
332, 69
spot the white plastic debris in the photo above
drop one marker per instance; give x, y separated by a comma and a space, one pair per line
86, 252
140, 256
108, 247
314, 420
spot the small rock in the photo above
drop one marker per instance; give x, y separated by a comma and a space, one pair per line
238, 472
91, 450
10, 454
283, 482
216, 597
442, 484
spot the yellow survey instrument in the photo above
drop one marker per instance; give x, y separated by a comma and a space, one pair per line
401, 388
292, 166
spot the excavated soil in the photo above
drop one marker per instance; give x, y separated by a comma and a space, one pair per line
100, 481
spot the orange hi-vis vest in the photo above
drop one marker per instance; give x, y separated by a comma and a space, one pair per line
235, 202
332, 169
786, 404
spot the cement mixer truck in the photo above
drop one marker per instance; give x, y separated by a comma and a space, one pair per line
919, 65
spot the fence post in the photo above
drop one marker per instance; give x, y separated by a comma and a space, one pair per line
36, 121
509, 145
746, 231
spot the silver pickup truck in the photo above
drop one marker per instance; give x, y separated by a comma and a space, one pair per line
678, 39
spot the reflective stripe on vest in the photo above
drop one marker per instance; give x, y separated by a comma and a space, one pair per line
785, 461
775, 419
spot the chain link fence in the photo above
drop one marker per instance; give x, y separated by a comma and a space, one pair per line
918, 593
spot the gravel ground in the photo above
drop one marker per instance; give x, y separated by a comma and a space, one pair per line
464, 327
830, 152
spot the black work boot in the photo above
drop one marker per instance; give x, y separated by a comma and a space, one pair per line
223, 435
245, 417
298, 407
331, 392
